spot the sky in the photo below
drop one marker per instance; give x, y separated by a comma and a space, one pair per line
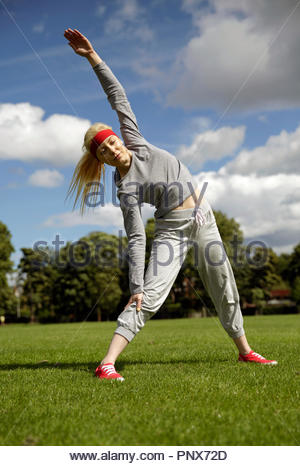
216, 83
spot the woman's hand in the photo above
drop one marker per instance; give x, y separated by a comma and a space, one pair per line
79, 43
138, 298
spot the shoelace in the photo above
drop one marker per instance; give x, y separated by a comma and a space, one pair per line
108, 369
258, 355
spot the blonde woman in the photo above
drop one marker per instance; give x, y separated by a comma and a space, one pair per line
145, 173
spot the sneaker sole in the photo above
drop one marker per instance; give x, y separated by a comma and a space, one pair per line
120, 379
262, 363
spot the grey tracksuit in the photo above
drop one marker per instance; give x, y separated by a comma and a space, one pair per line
157, 177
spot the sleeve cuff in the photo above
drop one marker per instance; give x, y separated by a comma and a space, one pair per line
102, 63
136, 289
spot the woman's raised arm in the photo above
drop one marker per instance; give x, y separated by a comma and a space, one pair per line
111, 86
82, 46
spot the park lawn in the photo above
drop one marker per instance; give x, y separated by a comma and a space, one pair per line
183, 385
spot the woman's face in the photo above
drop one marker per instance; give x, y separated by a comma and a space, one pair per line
112, 151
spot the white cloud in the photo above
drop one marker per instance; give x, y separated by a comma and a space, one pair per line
129, 19
211, 145
287, 249
106, 216
102, 216
237, 57
26, 136
100, 10
129, 10
201, 123
39, 28
280, 154
265, 207
46, 178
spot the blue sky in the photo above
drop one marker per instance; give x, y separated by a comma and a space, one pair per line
214, 83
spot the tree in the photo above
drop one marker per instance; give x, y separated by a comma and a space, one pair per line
294, 265
258, 298
231, 233
7, 299
263, 271
37, 281
283, 267
87, 286
296, 290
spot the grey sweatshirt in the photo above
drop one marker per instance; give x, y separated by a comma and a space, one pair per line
155, 177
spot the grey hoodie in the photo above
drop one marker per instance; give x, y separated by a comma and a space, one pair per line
155, 176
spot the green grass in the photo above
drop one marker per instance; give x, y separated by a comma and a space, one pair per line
182, 385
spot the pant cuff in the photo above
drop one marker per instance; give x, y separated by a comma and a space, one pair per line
125, 332
238, 334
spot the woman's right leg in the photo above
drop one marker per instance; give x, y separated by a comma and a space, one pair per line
168, 252
117, 345
167, 256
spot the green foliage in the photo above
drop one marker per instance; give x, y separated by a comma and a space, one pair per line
80, 282
294, 264
296, 290
89, 280
259, 273
7, 298
6, 250
279, 309
37, 279
258, 298
282, 268
230, 232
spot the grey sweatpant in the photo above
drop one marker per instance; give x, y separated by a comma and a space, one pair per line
175, 234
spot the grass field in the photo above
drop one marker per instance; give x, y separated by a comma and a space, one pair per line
183, 385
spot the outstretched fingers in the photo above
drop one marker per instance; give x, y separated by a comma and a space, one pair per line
69, 33
78, 33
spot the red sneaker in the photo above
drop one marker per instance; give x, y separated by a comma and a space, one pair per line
255, 357
108, 371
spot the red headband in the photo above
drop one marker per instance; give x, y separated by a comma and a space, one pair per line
98, 139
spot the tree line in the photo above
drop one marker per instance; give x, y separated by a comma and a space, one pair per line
88, 280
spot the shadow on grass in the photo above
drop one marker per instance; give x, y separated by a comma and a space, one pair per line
91, 366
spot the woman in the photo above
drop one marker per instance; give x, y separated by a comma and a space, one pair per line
145, 173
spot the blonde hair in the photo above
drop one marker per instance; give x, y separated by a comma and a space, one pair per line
87, 170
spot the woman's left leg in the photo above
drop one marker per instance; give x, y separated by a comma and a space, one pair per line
217, 276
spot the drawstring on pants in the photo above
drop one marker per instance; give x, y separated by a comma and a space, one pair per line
199, 217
